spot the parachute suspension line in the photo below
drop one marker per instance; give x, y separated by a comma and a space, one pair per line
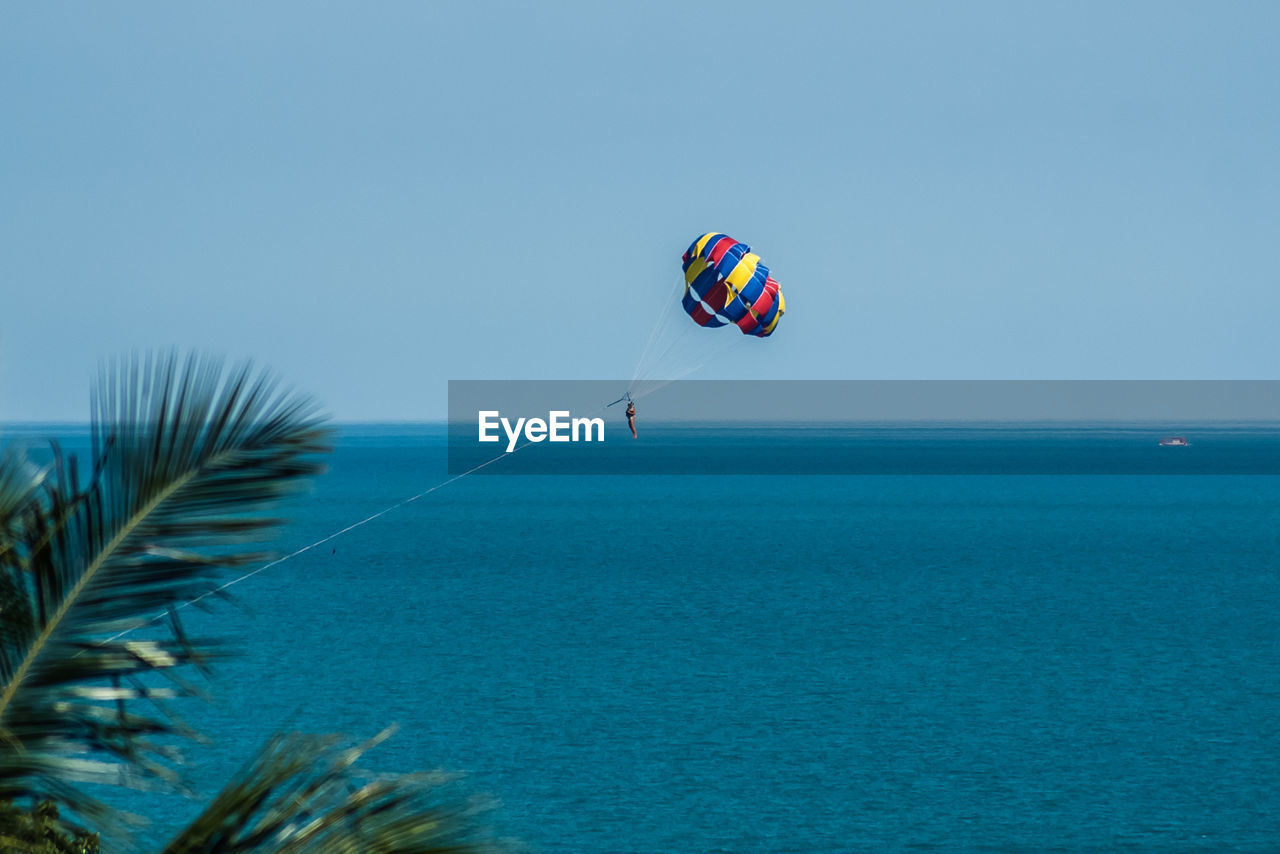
672, 327
664, 315
727, 341
671, 357
667, 346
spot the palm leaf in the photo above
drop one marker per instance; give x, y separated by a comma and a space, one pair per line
19, 483
19, 480
39, 831
187, 460
301, 793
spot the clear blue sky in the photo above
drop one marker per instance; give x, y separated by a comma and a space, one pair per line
372, 198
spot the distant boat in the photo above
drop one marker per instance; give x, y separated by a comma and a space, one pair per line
1174, 442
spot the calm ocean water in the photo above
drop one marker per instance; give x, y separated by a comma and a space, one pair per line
784, 663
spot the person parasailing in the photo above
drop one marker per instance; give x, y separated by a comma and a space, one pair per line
725, 284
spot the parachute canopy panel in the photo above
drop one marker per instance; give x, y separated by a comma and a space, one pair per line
725, 282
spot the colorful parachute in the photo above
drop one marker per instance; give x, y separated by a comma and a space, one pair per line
724, 282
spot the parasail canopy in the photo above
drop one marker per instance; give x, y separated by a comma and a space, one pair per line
725, 282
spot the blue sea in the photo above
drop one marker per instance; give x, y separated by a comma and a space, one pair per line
785, 663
